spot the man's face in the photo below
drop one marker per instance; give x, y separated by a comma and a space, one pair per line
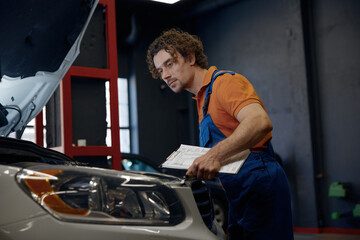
178, 74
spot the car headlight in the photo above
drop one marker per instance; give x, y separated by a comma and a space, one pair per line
100, 197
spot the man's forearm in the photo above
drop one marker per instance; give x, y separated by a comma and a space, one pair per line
253, 126
249, 132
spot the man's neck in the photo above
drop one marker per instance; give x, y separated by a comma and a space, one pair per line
199, 76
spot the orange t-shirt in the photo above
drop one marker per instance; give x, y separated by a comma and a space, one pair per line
230, 93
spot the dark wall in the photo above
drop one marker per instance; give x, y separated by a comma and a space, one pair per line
302, 58
337, 38
88, 95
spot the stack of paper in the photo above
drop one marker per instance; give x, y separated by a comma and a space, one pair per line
185, 155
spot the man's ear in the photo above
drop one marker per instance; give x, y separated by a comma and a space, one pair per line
191, 58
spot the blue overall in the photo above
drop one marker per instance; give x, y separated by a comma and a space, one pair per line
258, 196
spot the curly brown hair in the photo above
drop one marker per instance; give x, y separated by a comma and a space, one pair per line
173, 41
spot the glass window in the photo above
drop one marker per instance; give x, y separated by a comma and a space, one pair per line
124, 121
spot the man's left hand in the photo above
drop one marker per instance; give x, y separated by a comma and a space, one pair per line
204, 167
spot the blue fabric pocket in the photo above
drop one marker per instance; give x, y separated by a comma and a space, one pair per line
209, 133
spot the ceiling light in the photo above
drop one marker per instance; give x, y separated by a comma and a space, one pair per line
166, 1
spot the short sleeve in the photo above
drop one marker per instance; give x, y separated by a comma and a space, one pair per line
234, 92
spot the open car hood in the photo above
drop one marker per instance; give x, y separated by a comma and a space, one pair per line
39, 42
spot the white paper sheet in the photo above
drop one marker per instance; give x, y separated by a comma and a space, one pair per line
185, 155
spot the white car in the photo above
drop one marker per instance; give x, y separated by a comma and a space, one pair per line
45, 194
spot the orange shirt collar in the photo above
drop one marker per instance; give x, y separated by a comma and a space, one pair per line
207, 80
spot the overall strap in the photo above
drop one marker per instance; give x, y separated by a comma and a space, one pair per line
209, 88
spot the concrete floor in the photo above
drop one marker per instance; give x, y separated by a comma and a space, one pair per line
326, 236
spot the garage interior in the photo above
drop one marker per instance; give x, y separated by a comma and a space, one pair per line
302, 57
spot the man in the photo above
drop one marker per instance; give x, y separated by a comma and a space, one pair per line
232, 119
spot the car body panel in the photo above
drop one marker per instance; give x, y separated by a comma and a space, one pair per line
15, 205
22, 217
45, 227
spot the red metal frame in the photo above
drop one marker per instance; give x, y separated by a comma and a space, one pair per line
39, 129
110, 74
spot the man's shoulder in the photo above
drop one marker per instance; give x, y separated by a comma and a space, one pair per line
228, 79
232, 86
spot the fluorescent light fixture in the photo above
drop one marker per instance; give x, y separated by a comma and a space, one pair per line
166, 1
